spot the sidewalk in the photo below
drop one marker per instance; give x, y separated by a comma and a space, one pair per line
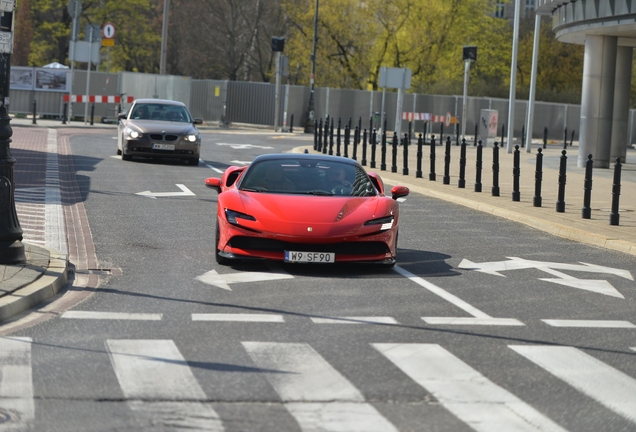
46, 270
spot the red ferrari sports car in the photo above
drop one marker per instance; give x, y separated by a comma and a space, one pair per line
305, 208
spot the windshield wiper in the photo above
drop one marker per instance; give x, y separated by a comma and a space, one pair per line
319, 192
254, 189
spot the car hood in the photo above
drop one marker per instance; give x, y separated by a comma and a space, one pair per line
295, 214
149, 126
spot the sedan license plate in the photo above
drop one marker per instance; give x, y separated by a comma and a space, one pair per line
309, 257
163, 146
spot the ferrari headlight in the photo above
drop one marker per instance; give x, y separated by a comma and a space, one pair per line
233, 216
384, 222
191, 138
133, 133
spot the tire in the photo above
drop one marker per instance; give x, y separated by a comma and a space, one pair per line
193, 161
219, 259
118, 152
126, 157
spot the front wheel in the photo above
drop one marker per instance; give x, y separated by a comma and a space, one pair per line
219, 259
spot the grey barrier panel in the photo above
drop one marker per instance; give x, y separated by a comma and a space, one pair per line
206, 100
252, 103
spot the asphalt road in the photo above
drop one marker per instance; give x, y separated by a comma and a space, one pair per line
483, 324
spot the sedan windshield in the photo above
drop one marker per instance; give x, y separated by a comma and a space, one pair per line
310, 177
161, 112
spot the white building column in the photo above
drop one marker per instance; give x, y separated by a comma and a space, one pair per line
597, 100
620, 120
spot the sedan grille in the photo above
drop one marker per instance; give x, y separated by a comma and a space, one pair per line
345, 248
161, 137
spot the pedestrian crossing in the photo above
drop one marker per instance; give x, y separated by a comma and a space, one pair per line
158, 384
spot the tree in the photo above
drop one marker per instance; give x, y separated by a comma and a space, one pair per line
23, 34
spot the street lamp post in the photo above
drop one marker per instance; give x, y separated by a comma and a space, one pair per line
164, 38
309, 121
11, 247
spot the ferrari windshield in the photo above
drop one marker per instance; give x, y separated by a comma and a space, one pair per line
308, 176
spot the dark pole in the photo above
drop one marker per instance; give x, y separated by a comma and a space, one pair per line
516, 171
538, 178
447, 159
312, 79
586, 212
478, 167
405, 155
560, 205
11, 247
462, 165
616, 192
431, 174
418, 171
495, 170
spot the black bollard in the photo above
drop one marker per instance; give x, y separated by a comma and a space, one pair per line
462, 165
447, 159
503, 134
331, 138
291, 124
373, 138
65, 113
441, 134
476, 132
347, 135
565, 138
356, 140
616, 192
516, 195
317, 135
456, 134
338, 138
325, 135
545, 136
431, 174
495, 170
92, 113
383, 151
560, 205
35, 111
572, 139
478, 167
523, 136
538, 177
586, 212
418, 171
405, 155
364, 148
394, 144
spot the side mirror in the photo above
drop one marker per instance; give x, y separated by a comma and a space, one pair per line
399, 192
122, 116
198, 121
213, 183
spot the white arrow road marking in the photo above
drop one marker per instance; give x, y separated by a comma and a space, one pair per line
597, 286
224, 281
184, 192
243, 146
478, 317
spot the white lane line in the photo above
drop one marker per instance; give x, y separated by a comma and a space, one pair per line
111, 316
472, 321
265, 318
608, 386
154, 376
55, 226
355, 320
470, 396
483, 318
314, 393
589, 323
16, 382
220, 171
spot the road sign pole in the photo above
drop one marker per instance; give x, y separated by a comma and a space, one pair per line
88, 73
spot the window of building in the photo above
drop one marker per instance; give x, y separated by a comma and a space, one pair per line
529, 10
499, 9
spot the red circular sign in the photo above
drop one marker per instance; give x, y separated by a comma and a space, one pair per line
108, 31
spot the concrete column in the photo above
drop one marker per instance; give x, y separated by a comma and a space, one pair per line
620, 120
597, 100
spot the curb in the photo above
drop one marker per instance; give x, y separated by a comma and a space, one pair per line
46, 286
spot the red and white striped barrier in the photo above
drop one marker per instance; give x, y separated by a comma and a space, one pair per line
97, 99
411, 116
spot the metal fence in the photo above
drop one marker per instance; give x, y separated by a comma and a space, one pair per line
229, 102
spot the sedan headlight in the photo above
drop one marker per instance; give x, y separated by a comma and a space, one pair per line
191, 138
385, 223
133, 133
233, 216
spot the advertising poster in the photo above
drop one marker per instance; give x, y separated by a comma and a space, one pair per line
21, 78
52, 79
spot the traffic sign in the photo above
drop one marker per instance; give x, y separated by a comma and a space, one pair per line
448, 119
108, 42
108, 31
74, 8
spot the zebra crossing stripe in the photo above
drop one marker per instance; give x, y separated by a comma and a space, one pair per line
313, 392
589, 323
470, 396
96, 315
265, 318
16, 381
608, 386
354, 320
154, 376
